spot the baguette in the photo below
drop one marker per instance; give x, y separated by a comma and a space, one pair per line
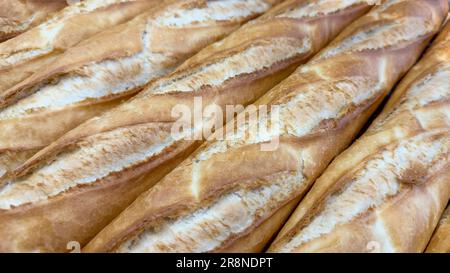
33, 50
108, 68
17, 16
234, 194
126, 58
440, 242
387, 191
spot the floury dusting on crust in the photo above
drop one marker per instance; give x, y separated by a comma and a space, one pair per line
302, 112
433, 88
51, 28
215, 11
323, 7
22, 56
98, 156
114, 77
120, 75
255, 58
368, 188
106, 78
391, 34
230, 215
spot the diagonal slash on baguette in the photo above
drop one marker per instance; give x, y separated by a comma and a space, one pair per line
231, 196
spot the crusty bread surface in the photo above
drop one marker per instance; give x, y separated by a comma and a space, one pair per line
387, 191
234, 194
86, 80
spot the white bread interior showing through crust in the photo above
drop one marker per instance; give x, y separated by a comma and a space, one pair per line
74, 89
101, 79
330, 100
111, 152
99, 73
256, 58
227, 188
33, 51
109, 77
24, 126
259, 56
99, 170
374, 183
434, 87
392, 33
132, 146
211, 222
216, 11
392, 184
49, 30
22, 56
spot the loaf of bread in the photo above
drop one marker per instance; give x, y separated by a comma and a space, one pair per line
234, 193
17, 16
75, 200
440, 242
387, 191
33, 50
100, 72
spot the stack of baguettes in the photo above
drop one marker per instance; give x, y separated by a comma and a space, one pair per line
230, 195
387, 191
75, 186
100, 72
31, 51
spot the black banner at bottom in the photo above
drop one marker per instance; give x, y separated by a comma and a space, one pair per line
223, 262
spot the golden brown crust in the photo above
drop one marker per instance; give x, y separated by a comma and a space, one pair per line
128, 140
22, 56
18, 16
226, 189
10, 160
440, 242
64, 218
138, 111
256, 241
29, 129
29, 52
394, 180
